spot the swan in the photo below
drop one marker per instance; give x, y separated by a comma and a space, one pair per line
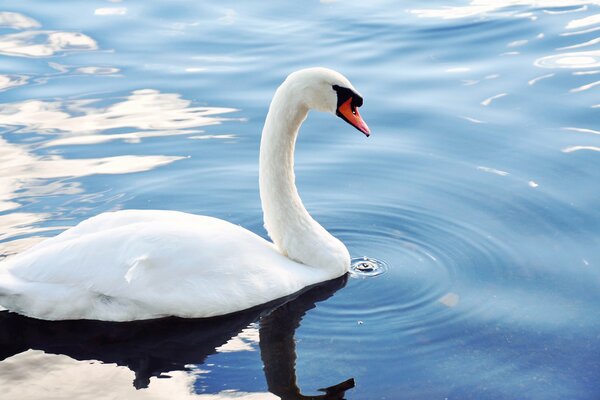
146, 264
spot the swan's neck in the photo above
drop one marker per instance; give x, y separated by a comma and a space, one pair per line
289, 225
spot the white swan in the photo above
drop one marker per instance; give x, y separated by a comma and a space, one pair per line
136, 264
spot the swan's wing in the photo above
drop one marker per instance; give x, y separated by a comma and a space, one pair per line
148, 267
112, 220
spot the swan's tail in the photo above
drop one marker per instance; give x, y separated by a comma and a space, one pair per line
9, 292
41, 300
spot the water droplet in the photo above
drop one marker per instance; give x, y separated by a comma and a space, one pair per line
365, 267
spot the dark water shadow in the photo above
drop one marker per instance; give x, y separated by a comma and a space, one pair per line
156, 347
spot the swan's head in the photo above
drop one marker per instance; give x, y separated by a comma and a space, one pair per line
329, 91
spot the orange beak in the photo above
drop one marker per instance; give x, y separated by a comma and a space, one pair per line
351, 115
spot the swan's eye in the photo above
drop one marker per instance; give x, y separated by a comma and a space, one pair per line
344, 93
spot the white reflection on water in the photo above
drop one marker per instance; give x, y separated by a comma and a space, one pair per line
489, 100
246, 340
572, 149
533, 81
39, 43
195, 70
110, 11
473, 120
20, 166
130, 137
582, 59
44, 43
14, 224
580, 32
470, 82
585, 87
457, 70
582, 130
86, 70
583, 22
483, 7
206, 137
10, 81
449, 299
17, 21
97, 70
146, 109
580, 45
572, 10
492, 171
26, 375
518, 43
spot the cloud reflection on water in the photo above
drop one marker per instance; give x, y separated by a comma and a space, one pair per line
38, 43
10, 81
23, 375
44, 43
22, 171
15, 20
97, 70
146, 112
146, 109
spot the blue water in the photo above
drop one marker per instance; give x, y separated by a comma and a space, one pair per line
479, 187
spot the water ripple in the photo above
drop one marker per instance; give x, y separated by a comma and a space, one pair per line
581, 59
432, 262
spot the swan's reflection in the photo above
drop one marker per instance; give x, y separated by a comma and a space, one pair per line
152, 348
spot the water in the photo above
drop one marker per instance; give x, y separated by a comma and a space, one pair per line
479, 188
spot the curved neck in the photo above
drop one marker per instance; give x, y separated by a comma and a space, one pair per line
289, 225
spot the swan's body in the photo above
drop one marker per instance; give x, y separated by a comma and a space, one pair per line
139, 264
135, 264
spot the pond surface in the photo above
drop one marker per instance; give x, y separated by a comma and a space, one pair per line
479, 188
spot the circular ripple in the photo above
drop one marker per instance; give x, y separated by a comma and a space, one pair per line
364, 267
582, 59
436, 269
